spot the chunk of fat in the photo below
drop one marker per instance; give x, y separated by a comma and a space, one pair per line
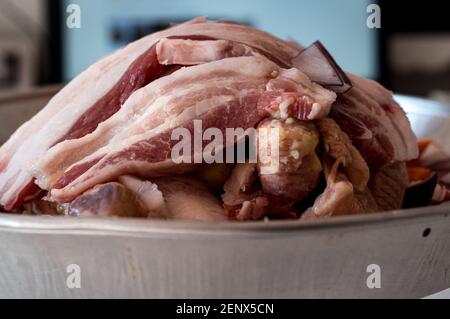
192, 52
188, 199
148, 193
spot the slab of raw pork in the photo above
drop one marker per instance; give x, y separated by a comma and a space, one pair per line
101, 90
231, 93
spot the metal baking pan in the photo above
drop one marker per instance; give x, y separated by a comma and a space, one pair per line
57, 257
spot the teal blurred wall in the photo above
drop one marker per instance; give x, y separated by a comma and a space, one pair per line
339, 24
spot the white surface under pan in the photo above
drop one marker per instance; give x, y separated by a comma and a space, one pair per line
284, 259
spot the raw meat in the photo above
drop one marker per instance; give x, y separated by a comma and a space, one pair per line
338, 145
388, 185
110, 199
118, 118
295, 171
100, 91
375, 123
232, 93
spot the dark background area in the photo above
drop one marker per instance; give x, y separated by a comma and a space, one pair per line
407, 21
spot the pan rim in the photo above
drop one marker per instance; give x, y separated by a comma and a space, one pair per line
148, 227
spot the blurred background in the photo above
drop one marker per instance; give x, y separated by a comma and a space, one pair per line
410, 54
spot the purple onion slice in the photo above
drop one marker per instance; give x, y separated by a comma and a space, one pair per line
318, 64
420, 194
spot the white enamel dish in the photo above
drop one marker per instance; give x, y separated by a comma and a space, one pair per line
130, 258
